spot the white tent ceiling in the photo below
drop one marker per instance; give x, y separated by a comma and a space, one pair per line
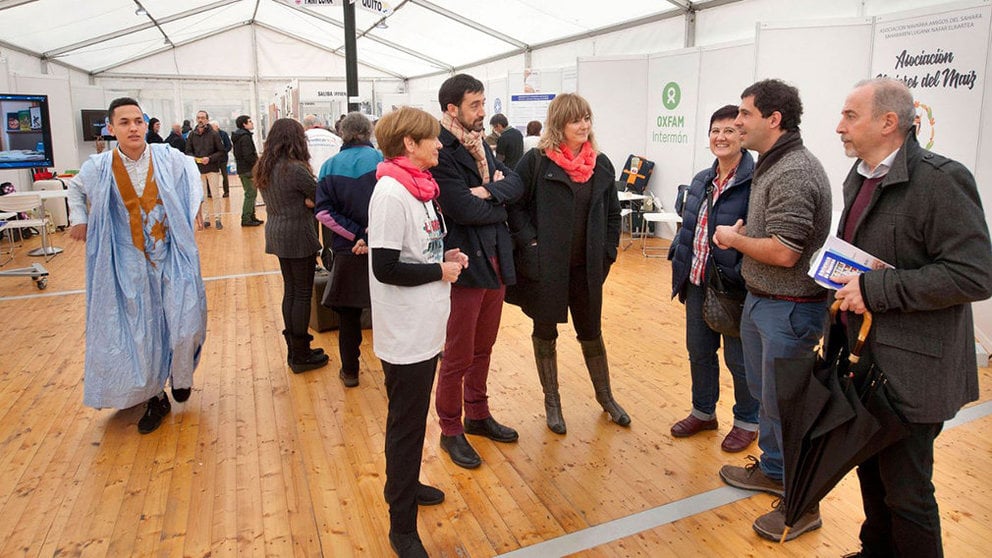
418, 38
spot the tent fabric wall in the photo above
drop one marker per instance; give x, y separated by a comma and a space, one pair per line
834, 56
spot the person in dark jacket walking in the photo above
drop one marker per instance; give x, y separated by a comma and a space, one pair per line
206, 147
245, 157
343, 195
283, 176
225, 158
474, 191
566, 229
717, 196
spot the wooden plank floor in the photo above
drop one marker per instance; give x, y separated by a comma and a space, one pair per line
262, 462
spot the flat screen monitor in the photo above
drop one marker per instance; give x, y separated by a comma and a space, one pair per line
95, 124
26, 139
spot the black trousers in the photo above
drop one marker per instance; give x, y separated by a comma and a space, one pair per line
901, 515
349, 336
408, 389
297, 282
587, 321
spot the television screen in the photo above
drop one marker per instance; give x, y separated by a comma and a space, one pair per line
95, 124
26, 139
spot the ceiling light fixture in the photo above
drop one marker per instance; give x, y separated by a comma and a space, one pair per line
141, 11
382, 25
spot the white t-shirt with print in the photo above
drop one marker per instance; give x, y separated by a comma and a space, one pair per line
408, 322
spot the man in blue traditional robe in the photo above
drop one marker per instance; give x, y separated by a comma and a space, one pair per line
136, 207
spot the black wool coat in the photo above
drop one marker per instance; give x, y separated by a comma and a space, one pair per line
476, 226
926, 220
544, 216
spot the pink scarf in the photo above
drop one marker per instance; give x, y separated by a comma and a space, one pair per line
472, 142
418, 182
578, 167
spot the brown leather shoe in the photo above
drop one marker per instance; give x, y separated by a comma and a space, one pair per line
691, 425
738, 439
772, 524
751, 477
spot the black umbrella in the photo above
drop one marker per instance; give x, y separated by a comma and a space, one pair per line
835, 414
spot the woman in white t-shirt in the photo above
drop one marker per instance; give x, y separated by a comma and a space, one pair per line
409, 283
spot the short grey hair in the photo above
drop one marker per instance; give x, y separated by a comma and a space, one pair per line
310, 121
892, 95
355, 127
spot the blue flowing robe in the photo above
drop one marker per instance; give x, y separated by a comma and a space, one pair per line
146, 316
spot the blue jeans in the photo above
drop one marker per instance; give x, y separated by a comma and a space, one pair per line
773, 329
702, 343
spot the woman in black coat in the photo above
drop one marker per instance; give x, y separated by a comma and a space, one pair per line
728, 183
283, 176
566, 229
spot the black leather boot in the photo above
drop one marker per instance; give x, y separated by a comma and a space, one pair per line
594, 352
546, 357
303, 357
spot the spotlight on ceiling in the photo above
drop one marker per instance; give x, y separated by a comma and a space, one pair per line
140, 11
382, 25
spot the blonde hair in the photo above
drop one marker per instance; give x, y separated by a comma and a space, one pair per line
564, 109
402, 123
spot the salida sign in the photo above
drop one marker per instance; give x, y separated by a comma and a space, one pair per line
374, 6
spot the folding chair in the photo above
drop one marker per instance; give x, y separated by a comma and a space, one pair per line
658, 216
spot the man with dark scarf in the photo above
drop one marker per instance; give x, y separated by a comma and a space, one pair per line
788, 219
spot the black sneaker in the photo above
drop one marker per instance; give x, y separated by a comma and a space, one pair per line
181, 394
156, 410
348, 378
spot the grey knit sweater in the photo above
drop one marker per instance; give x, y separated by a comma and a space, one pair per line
791, 201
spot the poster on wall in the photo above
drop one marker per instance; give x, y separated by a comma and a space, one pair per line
524, 108
942, 58
671, 128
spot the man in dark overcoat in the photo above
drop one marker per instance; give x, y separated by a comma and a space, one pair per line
921, 213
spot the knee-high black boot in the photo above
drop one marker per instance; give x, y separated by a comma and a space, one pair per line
594, 352
546, 356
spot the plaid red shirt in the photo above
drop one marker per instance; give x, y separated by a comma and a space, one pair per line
700, 239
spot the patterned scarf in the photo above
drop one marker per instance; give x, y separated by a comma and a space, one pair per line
472, 142
418, 182
578, 167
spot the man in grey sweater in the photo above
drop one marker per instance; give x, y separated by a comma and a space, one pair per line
788, 219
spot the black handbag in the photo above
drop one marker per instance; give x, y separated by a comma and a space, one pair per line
723, 301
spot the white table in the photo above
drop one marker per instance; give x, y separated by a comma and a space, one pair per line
44, 195
628, 212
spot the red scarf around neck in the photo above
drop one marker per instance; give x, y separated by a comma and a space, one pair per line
418, 182
578, 167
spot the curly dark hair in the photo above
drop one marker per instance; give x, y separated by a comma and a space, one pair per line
771, 95
286, 142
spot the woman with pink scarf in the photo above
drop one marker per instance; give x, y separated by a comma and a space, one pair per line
410, 281
566, 229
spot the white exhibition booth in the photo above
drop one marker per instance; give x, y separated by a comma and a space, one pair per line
650, 96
